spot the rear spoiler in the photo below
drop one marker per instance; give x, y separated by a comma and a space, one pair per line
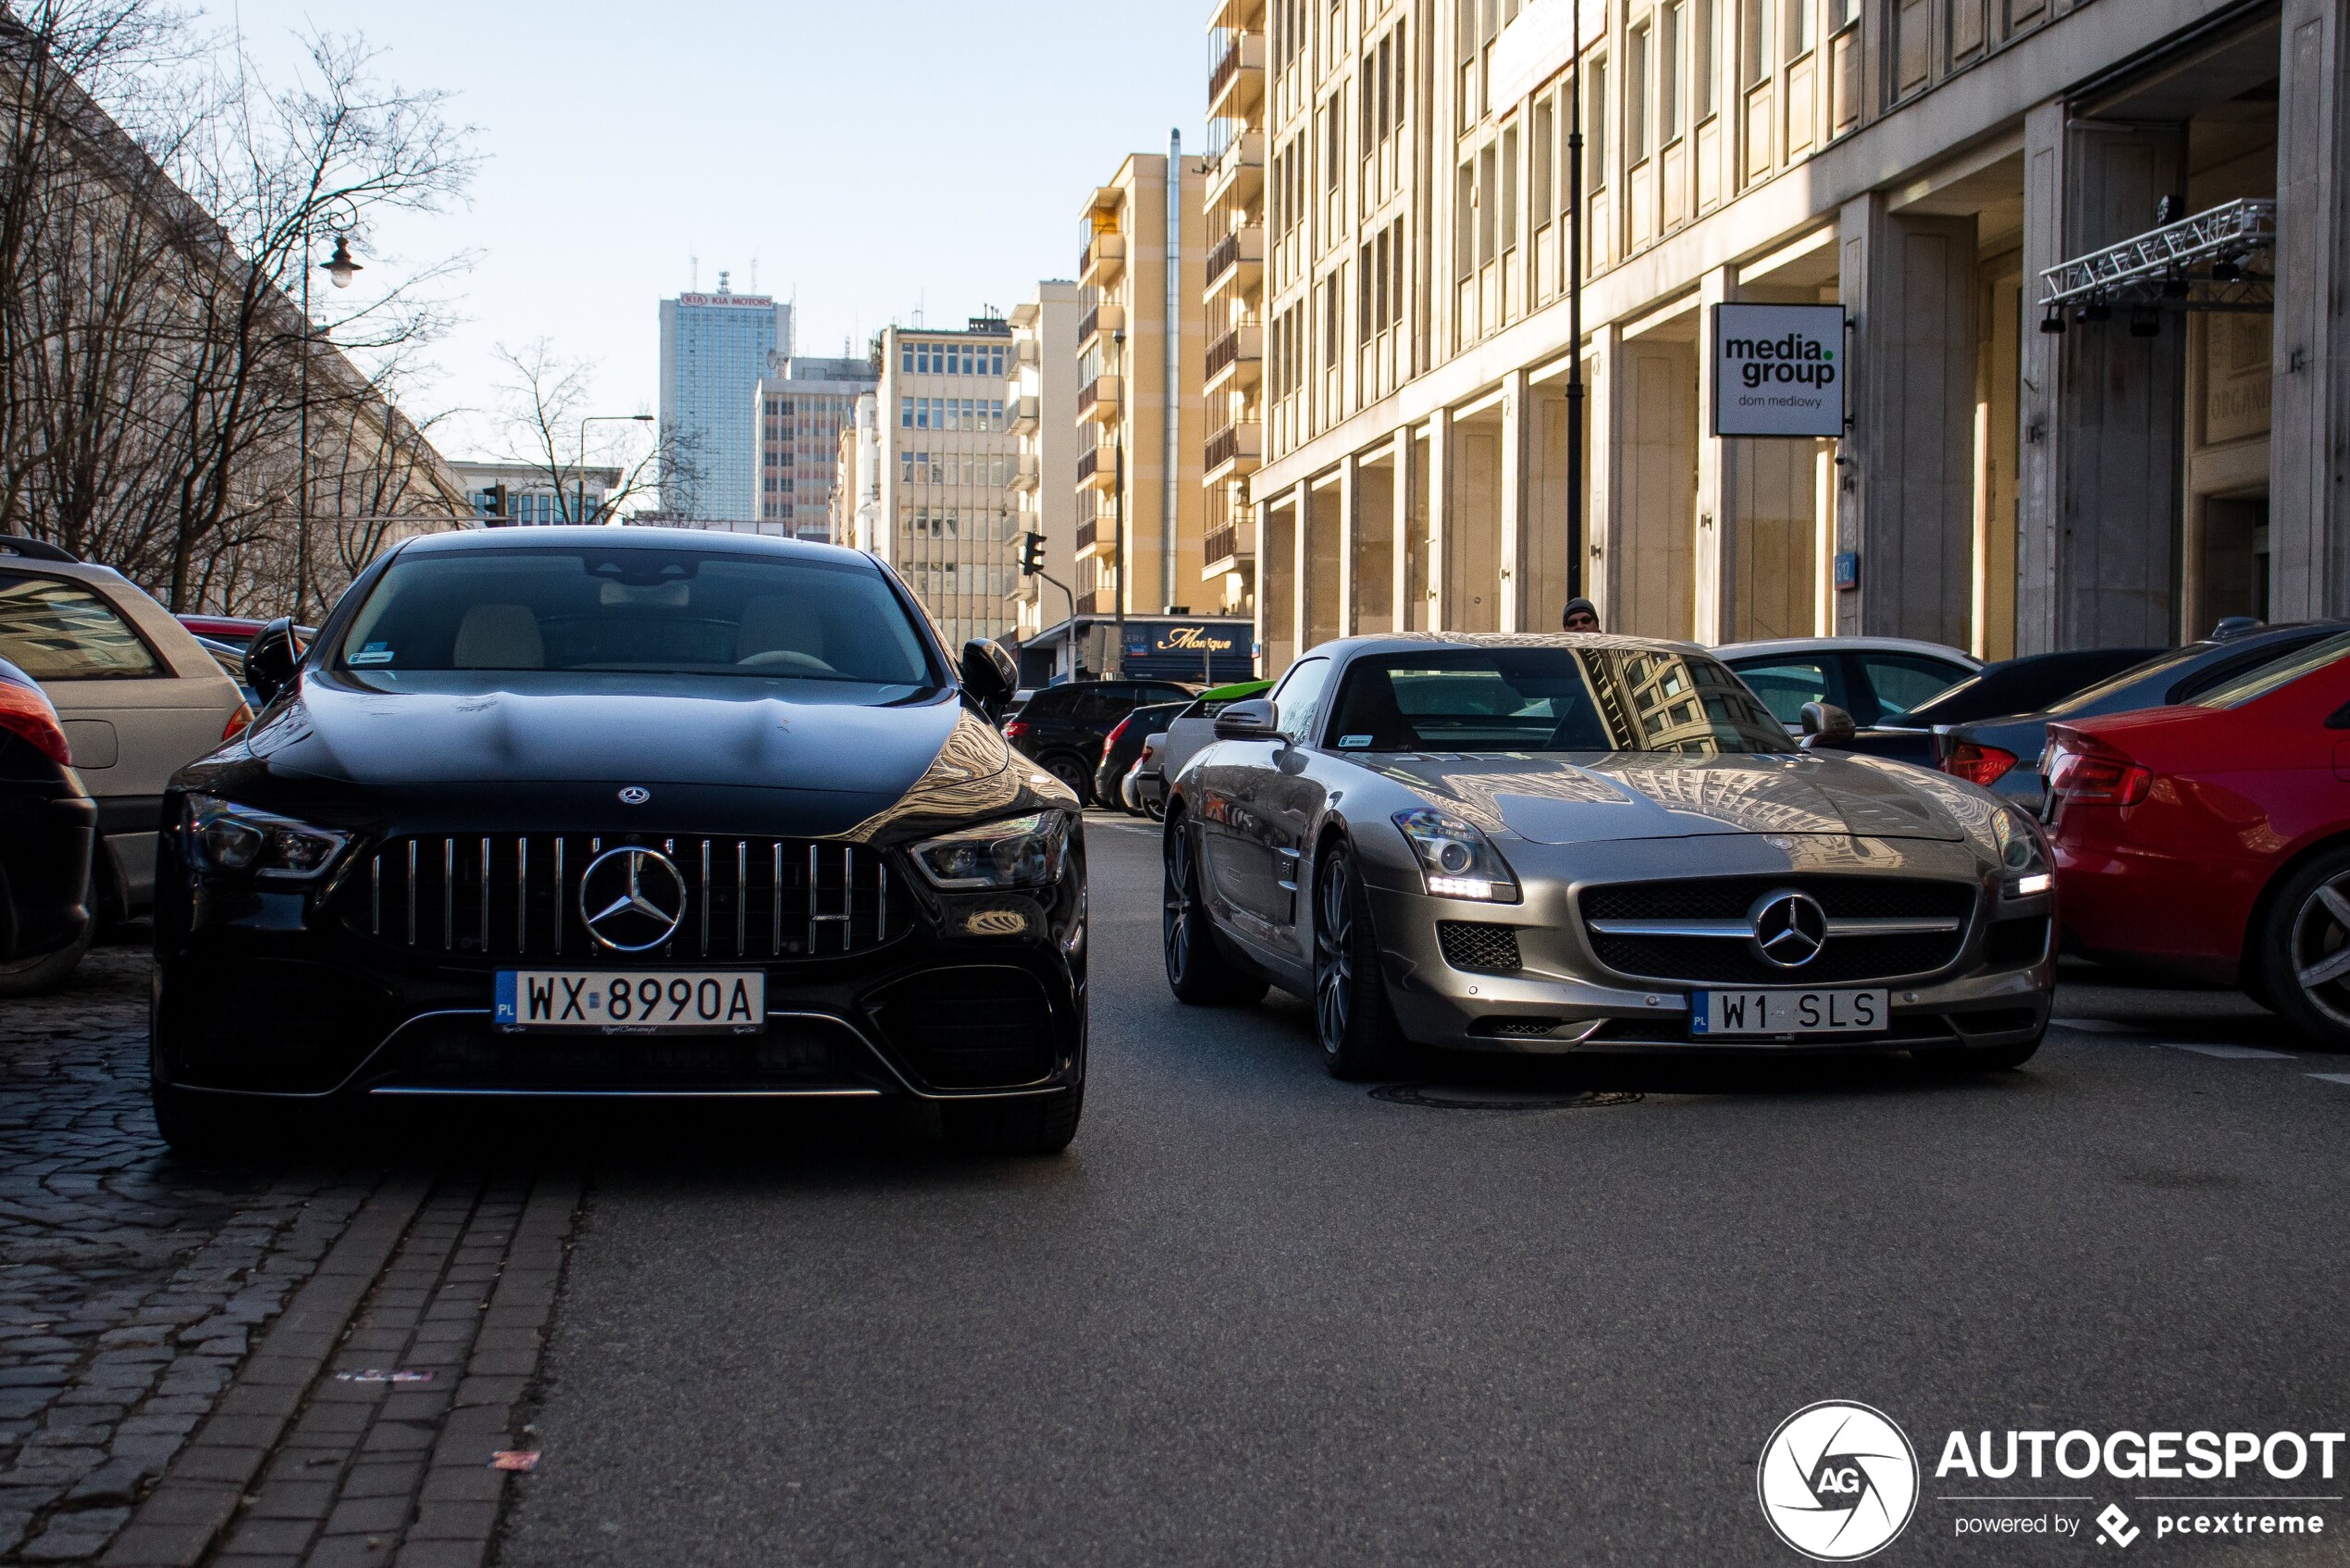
37, 549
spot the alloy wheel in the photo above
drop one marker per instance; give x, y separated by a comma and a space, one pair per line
1333, 952
1074, 775
1177, 913
2320, 948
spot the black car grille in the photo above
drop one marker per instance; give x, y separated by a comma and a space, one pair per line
1479, 948
972, 1028
1713, 960
518, 896
467, 1053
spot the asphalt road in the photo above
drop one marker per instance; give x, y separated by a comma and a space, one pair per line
1258, 1315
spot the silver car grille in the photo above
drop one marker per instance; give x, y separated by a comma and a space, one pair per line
1697, 932
518, 896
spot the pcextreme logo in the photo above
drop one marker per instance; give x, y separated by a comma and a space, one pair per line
1838, 1481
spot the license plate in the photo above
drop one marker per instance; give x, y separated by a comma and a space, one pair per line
637, 1002
1787, 1012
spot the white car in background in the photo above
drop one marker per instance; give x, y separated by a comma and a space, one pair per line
138, 698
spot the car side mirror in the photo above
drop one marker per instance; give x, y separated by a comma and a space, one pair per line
1827, 723
989, 674
1252, 719
272, 658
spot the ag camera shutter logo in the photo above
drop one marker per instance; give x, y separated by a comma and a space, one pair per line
1838, 1481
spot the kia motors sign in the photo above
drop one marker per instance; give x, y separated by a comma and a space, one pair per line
1778, 370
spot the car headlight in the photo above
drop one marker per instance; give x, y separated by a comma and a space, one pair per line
229, 837
1016, 852
2023, 858
1456, 861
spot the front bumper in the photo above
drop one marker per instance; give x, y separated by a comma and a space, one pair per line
1563, 1000
265, 995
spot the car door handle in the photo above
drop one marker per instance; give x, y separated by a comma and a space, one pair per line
1288, 882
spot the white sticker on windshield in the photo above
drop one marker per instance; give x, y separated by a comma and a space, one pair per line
374, 653
1354, 743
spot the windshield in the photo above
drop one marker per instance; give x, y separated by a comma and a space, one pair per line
1513, 700
638, 610
2260, 682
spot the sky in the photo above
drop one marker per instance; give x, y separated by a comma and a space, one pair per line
874, 159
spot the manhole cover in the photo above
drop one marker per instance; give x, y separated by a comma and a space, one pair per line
1445, 1097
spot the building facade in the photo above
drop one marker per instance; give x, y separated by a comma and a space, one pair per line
533, 497
1040, 401
946, 457
714, 348
2123, 467
1140, 410
803, 407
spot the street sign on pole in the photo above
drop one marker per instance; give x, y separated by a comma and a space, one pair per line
1779, 370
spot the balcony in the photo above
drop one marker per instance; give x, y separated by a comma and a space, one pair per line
1097, 469
1022, 415
1237, 84
1238, 356
1238, 257
1098, 400
1238, 176
1236, 14
1105, 317
1096, 537
1028, 471
1235, 449
1103, 262
1230, 547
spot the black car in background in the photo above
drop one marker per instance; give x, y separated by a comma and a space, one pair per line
1063, 727
2003, 754
1125, 743
2013, 685
589, 812
48, 825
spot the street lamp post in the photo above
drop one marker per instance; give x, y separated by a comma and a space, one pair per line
1576, 522
579, 514
341, 269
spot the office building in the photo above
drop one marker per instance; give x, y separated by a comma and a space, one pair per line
532, 497
2046, 438
1040, 402
802, 408
714, 348
946, 456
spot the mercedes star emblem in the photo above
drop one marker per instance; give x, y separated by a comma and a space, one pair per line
1789, 928
632, 899
635, 794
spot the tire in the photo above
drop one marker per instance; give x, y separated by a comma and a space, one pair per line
2302, 962
1040, 1126
1073, 773
1197, 970
1353, 1017
33, 977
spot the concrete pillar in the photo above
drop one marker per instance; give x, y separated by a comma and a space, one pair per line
2309, 454
2099, 475
1602, 475
1404, 614
1350, 535
1302, 565
1439, 516
1909, 284
1516, 581
1716, 538
1263, 582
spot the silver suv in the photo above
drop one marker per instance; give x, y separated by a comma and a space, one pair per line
137, 695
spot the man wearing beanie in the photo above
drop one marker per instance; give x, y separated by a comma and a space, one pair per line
1582, 615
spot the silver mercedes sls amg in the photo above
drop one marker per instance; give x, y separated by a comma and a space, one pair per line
1581, 844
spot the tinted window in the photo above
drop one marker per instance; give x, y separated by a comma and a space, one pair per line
2269, 677
58, 631
663, 611
1101, 705
1299, 700
1053, 702
2089, 696
1902, 681
1785, 684
1549, 699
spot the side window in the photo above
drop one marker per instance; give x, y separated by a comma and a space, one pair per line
1785, 684
1106, 705
1901, 681
59, 631
1297, 704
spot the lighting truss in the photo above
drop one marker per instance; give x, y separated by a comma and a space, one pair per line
2203, 263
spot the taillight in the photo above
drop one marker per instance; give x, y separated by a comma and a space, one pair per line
238, 723
26, 713
1121, 730
2097, 778
1985, 765
1017, 730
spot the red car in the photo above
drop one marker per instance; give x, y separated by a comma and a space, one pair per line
235, 629
2212, 839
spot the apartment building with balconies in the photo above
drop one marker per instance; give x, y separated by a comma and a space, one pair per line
946, 456
1040, 403
2033, 454
1236, 117
1139, 414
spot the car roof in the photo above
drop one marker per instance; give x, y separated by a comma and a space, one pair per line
1774, 646
1406, 642
633, 536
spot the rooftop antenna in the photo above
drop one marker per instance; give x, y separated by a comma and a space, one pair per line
693, 271
754, 272
722, 285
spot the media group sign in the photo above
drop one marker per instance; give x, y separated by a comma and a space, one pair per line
1778, 370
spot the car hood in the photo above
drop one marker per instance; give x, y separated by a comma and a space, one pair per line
527, 729
1623, 795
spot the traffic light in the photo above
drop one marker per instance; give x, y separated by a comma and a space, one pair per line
1032, 554
492, 507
